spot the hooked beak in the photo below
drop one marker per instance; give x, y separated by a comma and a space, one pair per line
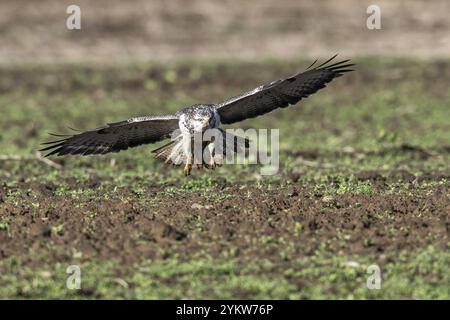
205, 121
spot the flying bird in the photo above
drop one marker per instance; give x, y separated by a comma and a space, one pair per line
197, 118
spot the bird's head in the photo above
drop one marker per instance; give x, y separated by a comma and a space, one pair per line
202, 120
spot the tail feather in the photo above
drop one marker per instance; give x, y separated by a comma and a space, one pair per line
172, 152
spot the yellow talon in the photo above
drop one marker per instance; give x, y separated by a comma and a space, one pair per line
187, 169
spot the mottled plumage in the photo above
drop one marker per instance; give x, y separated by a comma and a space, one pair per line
136, 131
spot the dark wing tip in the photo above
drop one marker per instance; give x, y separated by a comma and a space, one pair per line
76, 130
336, 67
54, 147
310, 66
58, 135
53, 142
58, 147
324, 63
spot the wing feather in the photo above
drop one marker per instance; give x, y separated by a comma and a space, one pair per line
281, 93
114, 137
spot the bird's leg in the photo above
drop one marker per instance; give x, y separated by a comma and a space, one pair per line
188, 165
212, 163
187, 169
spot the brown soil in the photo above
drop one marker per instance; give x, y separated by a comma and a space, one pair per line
126, 229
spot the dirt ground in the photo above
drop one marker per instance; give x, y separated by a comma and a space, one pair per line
422, 219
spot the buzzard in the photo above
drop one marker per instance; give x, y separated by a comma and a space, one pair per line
189, 121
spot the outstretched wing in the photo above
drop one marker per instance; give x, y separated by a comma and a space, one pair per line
281, 93
114, 137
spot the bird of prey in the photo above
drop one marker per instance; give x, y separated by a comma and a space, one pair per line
188, 121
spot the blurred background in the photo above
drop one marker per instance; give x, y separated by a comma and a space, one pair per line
121, 31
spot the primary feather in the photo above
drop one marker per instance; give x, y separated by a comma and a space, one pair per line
114, 137
280, 93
